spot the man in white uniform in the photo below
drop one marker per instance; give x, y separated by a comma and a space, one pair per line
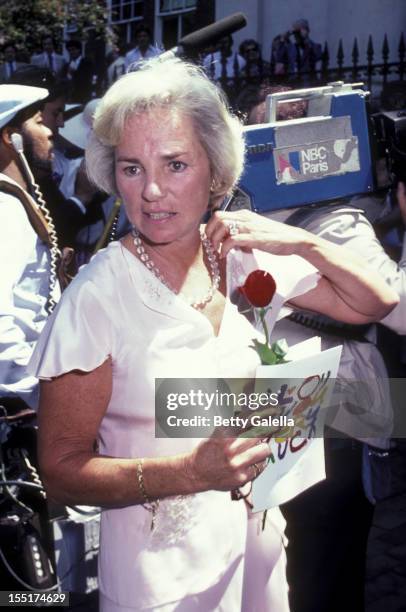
28, 247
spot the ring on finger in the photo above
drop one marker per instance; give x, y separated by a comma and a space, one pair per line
233, 228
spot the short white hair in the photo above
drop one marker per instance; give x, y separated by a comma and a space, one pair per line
170, 84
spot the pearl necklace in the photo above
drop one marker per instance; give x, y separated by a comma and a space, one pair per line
197, 303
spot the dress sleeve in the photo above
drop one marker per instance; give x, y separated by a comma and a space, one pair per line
79, 335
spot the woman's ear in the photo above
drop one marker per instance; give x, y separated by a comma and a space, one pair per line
214, 198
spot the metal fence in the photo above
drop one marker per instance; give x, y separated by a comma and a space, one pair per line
374, 70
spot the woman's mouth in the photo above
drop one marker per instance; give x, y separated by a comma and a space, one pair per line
160, 216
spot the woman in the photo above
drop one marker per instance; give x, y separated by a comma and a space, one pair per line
155, 305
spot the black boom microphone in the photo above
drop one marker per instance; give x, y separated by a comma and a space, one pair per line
212, 33
206, 36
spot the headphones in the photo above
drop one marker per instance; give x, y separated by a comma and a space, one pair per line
17, 142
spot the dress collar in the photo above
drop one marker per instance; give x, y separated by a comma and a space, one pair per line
156, 296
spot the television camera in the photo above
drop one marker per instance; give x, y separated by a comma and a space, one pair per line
328, 154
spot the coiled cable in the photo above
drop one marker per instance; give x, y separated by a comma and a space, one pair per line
55, 253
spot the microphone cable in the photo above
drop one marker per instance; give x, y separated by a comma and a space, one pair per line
55, 252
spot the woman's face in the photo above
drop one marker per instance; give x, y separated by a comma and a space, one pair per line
163, 175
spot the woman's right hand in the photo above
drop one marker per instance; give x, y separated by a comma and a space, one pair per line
223, 463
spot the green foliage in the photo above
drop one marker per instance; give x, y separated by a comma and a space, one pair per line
271, 355
25, 22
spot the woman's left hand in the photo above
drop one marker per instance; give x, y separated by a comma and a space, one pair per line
247, 230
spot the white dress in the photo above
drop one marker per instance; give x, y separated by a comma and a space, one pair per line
203, 554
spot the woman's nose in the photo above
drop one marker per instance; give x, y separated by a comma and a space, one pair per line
153, 188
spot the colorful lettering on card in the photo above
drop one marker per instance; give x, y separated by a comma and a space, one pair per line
297, 452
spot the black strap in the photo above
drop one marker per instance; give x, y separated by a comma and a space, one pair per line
345, 331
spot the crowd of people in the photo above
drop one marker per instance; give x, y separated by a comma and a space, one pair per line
86, 76
148, 159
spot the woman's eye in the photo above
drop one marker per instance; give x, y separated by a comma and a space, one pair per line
131, 170
177, 166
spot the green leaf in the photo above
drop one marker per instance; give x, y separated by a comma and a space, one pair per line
266, 354
271, 355
280, 347
26, 22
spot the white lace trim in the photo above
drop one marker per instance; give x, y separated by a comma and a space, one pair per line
175, 517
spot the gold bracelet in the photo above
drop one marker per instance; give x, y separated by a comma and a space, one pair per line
151, 506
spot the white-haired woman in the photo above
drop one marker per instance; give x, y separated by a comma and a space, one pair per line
155, 305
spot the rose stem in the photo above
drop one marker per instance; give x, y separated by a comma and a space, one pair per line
262, 312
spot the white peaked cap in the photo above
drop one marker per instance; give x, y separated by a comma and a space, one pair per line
14, 98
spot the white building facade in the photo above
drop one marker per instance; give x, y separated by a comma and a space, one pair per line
330, 20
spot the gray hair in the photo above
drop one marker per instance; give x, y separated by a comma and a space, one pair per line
168, 84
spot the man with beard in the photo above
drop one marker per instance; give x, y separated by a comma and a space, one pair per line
28, 246
82, 207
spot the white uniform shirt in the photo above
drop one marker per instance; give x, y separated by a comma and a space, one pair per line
213, 62
24, 290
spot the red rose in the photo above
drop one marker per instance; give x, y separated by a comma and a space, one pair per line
259, 288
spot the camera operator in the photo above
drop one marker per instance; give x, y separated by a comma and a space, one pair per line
332, 520
328, 525
294, 52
